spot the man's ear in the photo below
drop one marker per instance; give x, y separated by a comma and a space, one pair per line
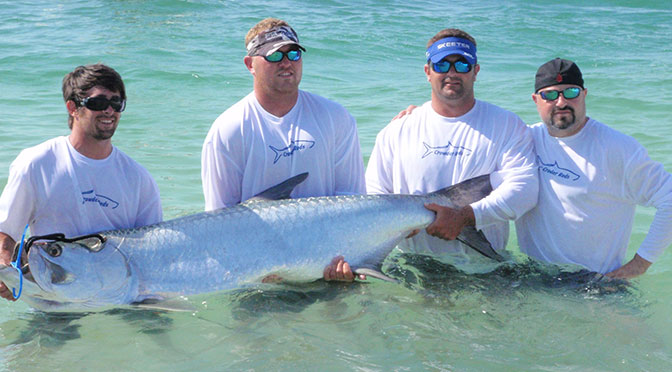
247, 60
71, 106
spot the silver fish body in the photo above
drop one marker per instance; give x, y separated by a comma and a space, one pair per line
213, 251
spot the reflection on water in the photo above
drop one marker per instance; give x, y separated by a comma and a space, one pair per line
428, 275
53, 330
436, 312
49, 330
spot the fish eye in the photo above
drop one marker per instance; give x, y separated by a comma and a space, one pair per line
54, 250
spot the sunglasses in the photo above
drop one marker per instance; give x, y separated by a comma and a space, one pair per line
443, 66
100, 103
277, 56
552, 95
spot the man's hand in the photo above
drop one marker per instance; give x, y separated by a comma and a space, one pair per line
449, 222
340, 270
412, 233
6, 250
636, 267
403, 113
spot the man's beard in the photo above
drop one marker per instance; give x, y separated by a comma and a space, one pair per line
456, 92
103, 134
562, 122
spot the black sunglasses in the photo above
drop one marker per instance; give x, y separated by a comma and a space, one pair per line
100, 103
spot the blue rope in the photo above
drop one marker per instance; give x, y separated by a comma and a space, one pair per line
17, 265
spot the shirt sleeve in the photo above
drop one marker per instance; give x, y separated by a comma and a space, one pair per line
379, 170
17, 202
221, 176
349, 167
515, 182
150, 211
648, 184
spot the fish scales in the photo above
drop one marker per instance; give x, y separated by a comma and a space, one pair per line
231, 247
303, 234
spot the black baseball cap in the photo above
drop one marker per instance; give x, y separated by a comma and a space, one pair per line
558, 71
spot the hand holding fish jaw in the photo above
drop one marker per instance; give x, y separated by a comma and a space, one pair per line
635, 267
449, 222
340, 270
337, 270
6, 249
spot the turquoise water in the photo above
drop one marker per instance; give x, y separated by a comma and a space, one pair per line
182, 65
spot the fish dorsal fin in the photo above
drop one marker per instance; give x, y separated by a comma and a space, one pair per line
467, 192
281, 190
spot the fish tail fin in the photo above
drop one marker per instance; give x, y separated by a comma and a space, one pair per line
462, 194
466, 192
477, 241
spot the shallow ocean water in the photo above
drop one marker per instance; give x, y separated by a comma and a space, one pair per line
182, 65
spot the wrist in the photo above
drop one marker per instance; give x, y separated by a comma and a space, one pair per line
468, 217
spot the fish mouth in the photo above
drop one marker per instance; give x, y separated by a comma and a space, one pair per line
59, 275
39, 263
27, 274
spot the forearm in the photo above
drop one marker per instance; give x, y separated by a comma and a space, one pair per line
636, 267
515, 192
659, 236
6, 249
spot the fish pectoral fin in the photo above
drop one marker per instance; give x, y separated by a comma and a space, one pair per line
173, 304
477, 240
374, 274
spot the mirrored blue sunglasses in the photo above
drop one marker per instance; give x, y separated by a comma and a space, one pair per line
277, 56
552, 95
443, 66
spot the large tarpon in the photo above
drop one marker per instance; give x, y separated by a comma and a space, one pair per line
213, 251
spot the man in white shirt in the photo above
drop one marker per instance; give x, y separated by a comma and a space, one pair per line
452, 138
81, 183
278, 131
591, 179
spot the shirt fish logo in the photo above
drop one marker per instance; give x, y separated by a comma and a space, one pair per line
298, 145
555, 170
447, 150
105, 202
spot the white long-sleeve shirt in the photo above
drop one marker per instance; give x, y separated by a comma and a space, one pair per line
58, 190
424, 151
589, 186
248, 150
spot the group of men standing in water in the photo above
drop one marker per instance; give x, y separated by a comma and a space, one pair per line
570, 183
